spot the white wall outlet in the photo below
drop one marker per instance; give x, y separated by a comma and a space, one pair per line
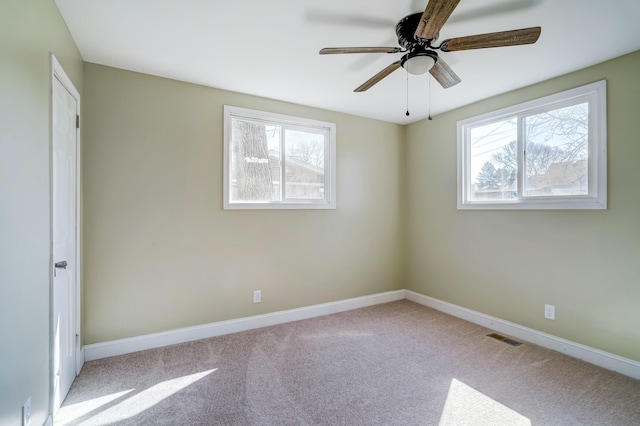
26, 412
550, 312
257, 296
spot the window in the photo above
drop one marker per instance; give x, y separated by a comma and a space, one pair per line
549, 153
274, 161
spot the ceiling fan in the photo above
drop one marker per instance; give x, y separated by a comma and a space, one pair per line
417, 34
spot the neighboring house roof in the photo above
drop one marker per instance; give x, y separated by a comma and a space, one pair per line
562, 174
274, 162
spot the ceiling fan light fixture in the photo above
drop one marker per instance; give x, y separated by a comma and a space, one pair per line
418, 62
418, 32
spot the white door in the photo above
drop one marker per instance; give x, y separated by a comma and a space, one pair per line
64, 227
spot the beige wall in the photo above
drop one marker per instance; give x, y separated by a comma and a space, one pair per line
29, 30
160, 253
510, 263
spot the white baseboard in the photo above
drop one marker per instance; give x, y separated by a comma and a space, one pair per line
134, 344
156, 340
595, 356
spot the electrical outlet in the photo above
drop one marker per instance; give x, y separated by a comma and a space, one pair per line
257, 296
550, 312
26, 412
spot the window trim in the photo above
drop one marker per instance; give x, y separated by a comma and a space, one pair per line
329, 202
595, 93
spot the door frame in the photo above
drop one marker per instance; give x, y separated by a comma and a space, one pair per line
58, 73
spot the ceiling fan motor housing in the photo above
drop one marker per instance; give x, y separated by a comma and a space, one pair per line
405, 30
419, 59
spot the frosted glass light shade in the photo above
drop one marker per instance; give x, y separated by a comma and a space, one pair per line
418, 64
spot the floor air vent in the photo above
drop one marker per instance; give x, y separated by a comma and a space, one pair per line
504, 339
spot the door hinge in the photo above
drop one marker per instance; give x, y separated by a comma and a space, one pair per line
77, 121
77, 340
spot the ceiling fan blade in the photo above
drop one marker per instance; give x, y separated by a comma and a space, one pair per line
444, 74
334, 50
435, 15
499, 39
376, 78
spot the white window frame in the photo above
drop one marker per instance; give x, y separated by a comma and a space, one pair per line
595, 94
329, 201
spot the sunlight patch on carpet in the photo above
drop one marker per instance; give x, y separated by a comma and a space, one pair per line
146, 399
72, 412
467, 406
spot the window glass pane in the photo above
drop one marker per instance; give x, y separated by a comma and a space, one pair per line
494, 161
556, 145
275, 161
304, 165
255, 158
557, 152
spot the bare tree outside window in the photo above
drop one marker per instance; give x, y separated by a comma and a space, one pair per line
276, 161
556, 153
307, 147
250, 170
494, 163
546, 153
565, 128
257, 162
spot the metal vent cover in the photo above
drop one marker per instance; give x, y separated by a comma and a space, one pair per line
504, 339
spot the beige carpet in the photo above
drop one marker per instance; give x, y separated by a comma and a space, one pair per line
398, 363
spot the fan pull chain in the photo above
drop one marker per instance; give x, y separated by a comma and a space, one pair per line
407, 94
429, 77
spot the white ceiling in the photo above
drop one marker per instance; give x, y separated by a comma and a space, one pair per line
269, 48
